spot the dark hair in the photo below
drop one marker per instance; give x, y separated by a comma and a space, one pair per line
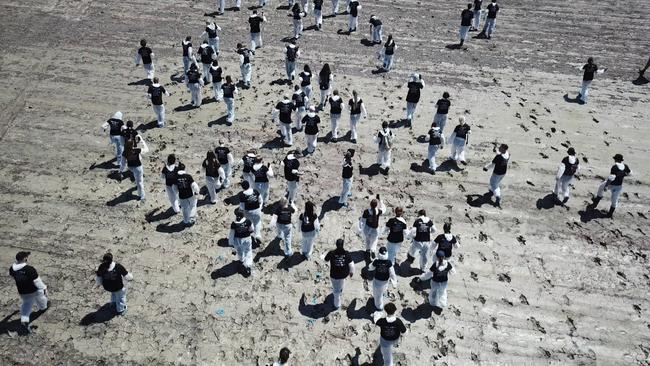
504, 147
399, 211
239, 45
469, 6
447, 227
296, 87
205, 41
228, 79
171, 159
295, 8
422, 212
129, 123
245, 185
215, 62
255, 11
335, 92
211, 159
390, 308
284, 352
434, 124
309, 209
143, 42
384, 124
188, 38
107, 258
155, 79
181, 166
590, 60
325, 72
339, 243
239, 213
445, 95
373, 203
307, 68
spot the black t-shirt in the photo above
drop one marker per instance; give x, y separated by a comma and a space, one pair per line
311, 124
211, 169
435, 137
292, 53
285, 111
396, 229
212, 32
307, 223
297, 13
251, 201
354, 8
186, 48
422, 230
112, 279
298, 99
156, 93
242, 229
382, 269
570, 169
261, 174
184, 185
216, 74
247, 55
375, 22
324, 81
284, 214
228, 90
339, 263
443, 106
466, 18
336, 105
318, 4
500, 165
590, 70
170, 175
440, 275
348, 169
115, 126
355, 108
445, 245
620, 174
248, 162
289, 166
145, 53
206, 54
222, 154
493, 9
390, 47
413, 94
193, 76
133, 159
391, 331
24, 278
129, 133
477, 5
255, 23
461, 131
306, 78
372, 217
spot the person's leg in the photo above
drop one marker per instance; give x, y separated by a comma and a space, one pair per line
192, 202
172, 195
393, 248
41, 300
566, 181
477, 18
185, 207
186, 64
442, 122
26, 305
354, 118
239, 249
222, 6
227, 169
253, 43
415, 248
247, 252
230, 106
431, 157
424, 255
616, 193
442, 290
335, 7
120, 304
377, 294
334, 124
585, 91
387, 354
337, 291
307, 243
345, 192
600, 193
256, 218
138, 175
211, 184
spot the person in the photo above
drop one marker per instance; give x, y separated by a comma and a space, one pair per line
211, 30
297, 16
188, 54
423, 228
291, 167
346, 174
188, 190
133, 155
466, 17
262, 173
309, 227
376, 36
491, 21
642, 71
442, 110
357, 110
240, 239
436, 142
229, 92
311, 121
439, 275
391, 328
225, 159
414, 85
207, 55
318, 14
590, 69
388, 52
341, 267
216, 73
499, 166
305, 5
194, 84
31, 289
145, 55
291, 53
284, 357
335, 8
214, 175
299, 100
397, 230
155, 93
336, 107
248, 161
477, 15
282, 113
567, 169
245, 65
255, 21
369, 224
250, 201
111, 275
168, 174
385, 140
283, 224
115, 125
459, 139
446, 242
128, 135
384, 272
305, 83
353, 10
614, 182
221, 7
325, 79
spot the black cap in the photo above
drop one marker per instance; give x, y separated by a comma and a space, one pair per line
22, 255
618, 158
571, 151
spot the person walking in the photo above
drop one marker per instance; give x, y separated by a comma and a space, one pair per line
325, 80
194, 84
250, 201
128, 136
111, 276
248, 161
284, 357
212, 32
477, 15
347, 174
188, 54
240, 239
336, 108
291, 167
133, 155
369, 224
245, 64
282, 114
439, 275
499, 166
391, 328
388, 52
282, 218
590, 70
384, 272
376, 36
357, 110
115, 125
446, 242
291, 53
335, 8
309, 227
207, 55
262, 174
188, 190
341, 267
216, 73
225, 159
311, 122
305, 83
397, 231
155, 93
414, 86
229, 91
459, 139
614, 182
385, 140
566, 171
255, 21
299, 100
297, 14
466, 17
442, 110
168, 174
31, 289
491, 21
305, 5
214, 175
423, 228
353, 11
436, 142
318, 14
145, 55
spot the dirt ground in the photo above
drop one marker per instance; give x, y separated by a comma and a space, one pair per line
536, 285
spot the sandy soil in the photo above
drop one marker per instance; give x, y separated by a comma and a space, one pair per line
535, 285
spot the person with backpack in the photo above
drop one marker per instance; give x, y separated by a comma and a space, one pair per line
391, 328
211, 30
297, 14
325, 80
291, 166
214, 175
436, 142
336, 108
216, 73
225, 159
115, 125
499, 166
341, 267
376, 27
299, 100
442, 110
145, 55
229, 91
388, 51
459, 140
245, 64
446, 241
207, 55
309, 227
384, 271
385, 140
439, 275
240, 239
614, 181
305, 83
262, 174
357, 110
188, 190
255, 21
414, 86
466, 17
282, 114
353, 11
311, 122
318, 14
111, 276
282, 219
397, 231
291, 53
194, 84
250, 201
128, 134
369, 226
567, 169
188, 54
31, 289
168, 174
155, 93
248, 161
347, 174
133, 155
423, 228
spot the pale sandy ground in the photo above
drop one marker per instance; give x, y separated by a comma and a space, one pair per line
534, 286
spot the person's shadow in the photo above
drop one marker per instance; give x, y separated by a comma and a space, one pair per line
15, 326
101, 315
422, 311
332, 204
448, 166
289, 262
478, 200
157, 214
547, 202
370, 171
123, 197
366, 42
575, 100
108, 164
590, 213
228, 270
314, 310
273, 249
364, 312
140, 82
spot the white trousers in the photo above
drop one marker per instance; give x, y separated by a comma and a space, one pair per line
28, 301
188, 206
292, 191
458, 150
378, 290
159, 110
441, 121
312, 141
323, 96
335, 7
584, 90
495, 184
230, 107
353, 22
438, 294
138, 174
562, 186
207, 76
410, 110
384, 158
287, 134
297, 28
218, 92
256, 40
195, 91
149, 69
346, 192
263, 188
354, 120
423, 247
213, 185
334, 122
307, 243
337, 291
299, 114
172, 195
244, 249
227, 169
118, 141
431, 156
370, 238
285, 232
386, 348
616, 193
256, 219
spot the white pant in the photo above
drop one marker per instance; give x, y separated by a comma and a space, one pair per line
458, 150
187, 61
195, 90
119, 299
441, 121
562, 186
207, 76
370, 238
256, 219
438, 294
214, 43
318, 17
230, 106
213, 185
285, 232
477, 18
138, 174
377, 34
423, 247
244, 249
354, 120
335, 6
337, 290
307, 90
250, 178
334, 122
28, 301
285, 128
353, 22
323, 96
292, 191
218, 92
490, 24
263, 188
305, 5
388, 62
246, 73
300, 113
297, 28
616, 192
346, 192
172, 195
227, 169
378, 290
386, 348
256, 40
393, 250
383, 158
410, 110
221, 4
159, 110
118, 141
290, 67
149, 69
431, 156
188, 206
312, 141
495, 183
584, 90
307, 243
464, 30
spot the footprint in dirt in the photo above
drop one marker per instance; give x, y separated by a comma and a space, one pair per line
494, 322
480, 255
461, 188
474, 356
480, 219
481, 298
482, 236
544, 156
507, 301
504, 277
537, 325
597, 261
572, 325
461, 258
521, 240
495, 255
495, 348
523, 299
474, 276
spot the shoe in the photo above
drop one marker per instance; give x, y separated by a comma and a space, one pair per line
354, 141
247, 272
27, 327
333, 139
490, 194
463, 162
610, 214
237, 8
594, 202
565, 200
498, 202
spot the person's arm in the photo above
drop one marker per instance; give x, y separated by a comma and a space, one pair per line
235, 91
371, 266
98, 280
317, 224
364, 112
426, 276
231, 238
275, 114
382, 206
230, 159
39, 284
205, 33
362, 224
105, 126
452, 270
195, 188
138, 58
489, 166
264, 20
601, 71
443, 141
222, 175
145, 147
297, 53
393, 276
270, 172
166, 92
351, 268
274, 220
560, 171
218, 27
